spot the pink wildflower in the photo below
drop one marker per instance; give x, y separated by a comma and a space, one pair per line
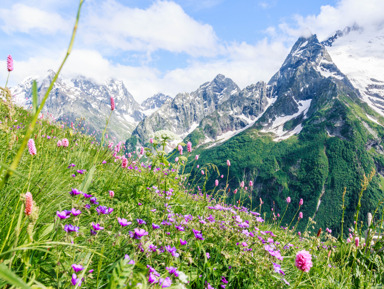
303, 261
216, 183
65, 142
242, 184
357, 241
300, 215
141, 150
176, 159
31, 147
9, 63
301, 202
202, 172
250, 183
180, 149
28, 204
288, 200
124, 163
189, 147
112, 103
59, 143
111, 194
196, 157
151, 140
228, 163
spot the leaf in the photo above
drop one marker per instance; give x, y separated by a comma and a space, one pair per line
34, 96
87, 181
7, 275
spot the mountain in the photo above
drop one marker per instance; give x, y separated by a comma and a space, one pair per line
358, 52
150, 105
178, 117
81, 98
314, 136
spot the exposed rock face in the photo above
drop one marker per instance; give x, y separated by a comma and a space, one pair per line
78, 98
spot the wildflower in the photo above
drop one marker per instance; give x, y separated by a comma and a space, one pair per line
154, 226
140, 222
288, 200
75, 192
151, 140
216, 183
189, 147
75, 212
300, 215
71, 228
77, 268
75, 281
172, 271
357, 241
141, 150
242, 184
97, 227
28, 204
104, 210
31, 147
303, 261
87, 196
250, 183
59, 143
228, 163
131, 262
152, 279
104, 162
112, 104
198, 234
138, 233
65, 142
123, 222
165, 283
176, 159
207, 255
180, 149
94, 201
62, 215
196, 157
9, 63
301, 202
183, 242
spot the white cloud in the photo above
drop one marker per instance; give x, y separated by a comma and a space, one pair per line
368, 14
164, 25
23, 18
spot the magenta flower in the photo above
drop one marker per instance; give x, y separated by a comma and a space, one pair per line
31, 147
97, 227
196, 157
172, 271
183, 242
288, 200
75, 212
152, 278
59, 143
242, 184
75, 192
189, 147
198, 234
65, 142
71, 228
176, 159
151, 140
75, 281
124, 163
9, 63
112, 103
123, 222
62, 215
165, 283
357, 241
138, 233
141, 150
301, 202
303, 261
111, 194
216, 183
228, 163
300, 215
154, 226
77, 268
250, 183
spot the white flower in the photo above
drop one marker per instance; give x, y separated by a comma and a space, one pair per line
183, 278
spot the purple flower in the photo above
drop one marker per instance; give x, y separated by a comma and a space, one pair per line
224, 280
153, 271
97, 227
87, 196
183, 242
152, 279
208, 256
77, 268
172, 250
62, 215
104, 210
75, 212
75, 192
138, 234
180, 228
75, 281
93, 200
172, 271
93, 232
131, 262
81, 171
167, 282
154, 226
277, 268
123, 222
87, 206
152, 248
198, 234
71, 228
140, 222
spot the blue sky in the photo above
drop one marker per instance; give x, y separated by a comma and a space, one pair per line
168, 46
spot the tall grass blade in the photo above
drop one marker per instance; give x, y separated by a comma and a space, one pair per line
7, 275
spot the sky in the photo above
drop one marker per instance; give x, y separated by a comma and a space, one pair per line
168, 46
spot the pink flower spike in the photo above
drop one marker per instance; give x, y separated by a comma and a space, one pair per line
28, 204
189, 147
65, 142
301, 202
31, 147
303, 261
111, 194
288, 200
357, 241
228, 163
112, 104
9, 63
300, 215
